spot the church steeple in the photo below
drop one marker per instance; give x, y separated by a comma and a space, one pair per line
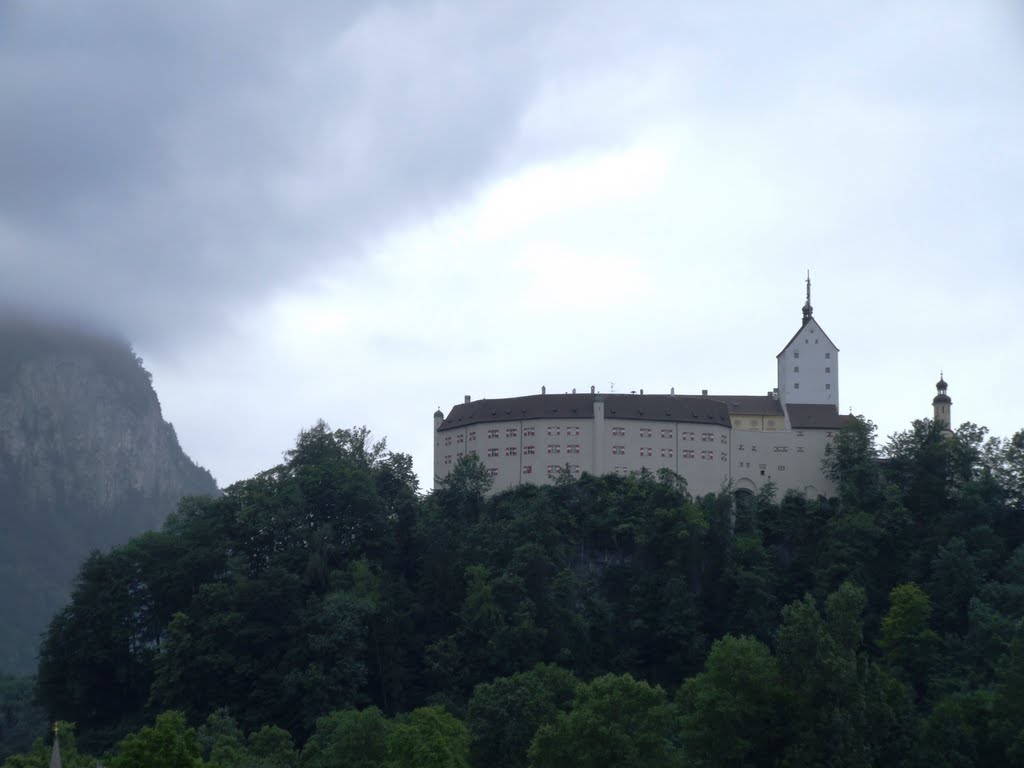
941, 404
808, 309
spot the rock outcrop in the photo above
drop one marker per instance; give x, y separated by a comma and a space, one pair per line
86, 462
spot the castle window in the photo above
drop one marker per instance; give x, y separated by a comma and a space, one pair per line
510, 451
796, 385
554, 449
447, 459
493, 471
511, 432
707, 455
645, 431
828, 355
529, 450
666, 453
796, 369
618, 431
706, 437
796, 355
492, 434
572, 431
572, 449
460, 439
828, 386
828, 370
527, 470
688, 453
472, 435
645, 451
799, 434
782, 468
492, 452
800, 449
667, 434
448, 440
529, 432
618, 450
741, 447
554, 431
552, 469
723, 455
725, 439
753, 449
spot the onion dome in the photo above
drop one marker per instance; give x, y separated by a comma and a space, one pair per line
438, 414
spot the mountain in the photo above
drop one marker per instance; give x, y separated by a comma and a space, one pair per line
86, 462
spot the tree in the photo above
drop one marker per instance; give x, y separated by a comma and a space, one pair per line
169, 743
851, 462
353, 738
818, 657
908, 643
735, 712
505, 713
614, 720
429, 737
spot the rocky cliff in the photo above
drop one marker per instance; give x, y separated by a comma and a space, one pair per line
86, 462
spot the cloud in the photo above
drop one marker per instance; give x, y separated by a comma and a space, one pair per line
163, 165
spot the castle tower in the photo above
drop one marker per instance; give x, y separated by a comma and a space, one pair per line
438, 418
941, 404
808, 366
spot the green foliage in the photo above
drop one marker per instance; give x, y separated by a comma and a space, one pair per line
22, 720
429, 737
735, 712
342, 620
169, 743
42, 752
353, 738
614, 720
505, 713
908, 643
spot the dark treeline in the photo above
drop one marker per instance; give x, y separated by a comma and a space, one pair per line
322, 613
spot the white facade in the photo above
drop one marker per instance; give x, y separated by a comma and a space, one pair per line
809, 367
714, 442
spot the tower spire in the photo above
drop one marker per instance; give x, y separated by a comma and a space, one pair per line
808, 309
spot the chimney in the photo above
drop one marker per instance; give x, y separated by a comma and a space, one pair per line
574, 390
641, 391
672, 391
592, 388
467, 399
703, 393
543, 390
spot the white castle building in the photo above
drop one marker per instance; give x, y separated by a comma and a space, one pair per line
714, 441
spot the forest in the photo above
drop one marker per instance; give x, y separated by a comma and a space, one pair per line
326, 613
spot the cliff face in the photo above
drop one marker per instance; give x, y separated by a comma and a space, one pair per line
86, 462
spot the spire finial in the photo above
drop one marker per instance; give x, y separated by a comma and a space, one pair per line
808, 309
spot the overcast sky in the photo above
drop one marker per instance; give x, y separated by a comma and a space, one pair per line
363, 211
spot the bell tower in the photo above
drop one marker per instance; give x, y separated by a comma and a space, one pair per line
941, 404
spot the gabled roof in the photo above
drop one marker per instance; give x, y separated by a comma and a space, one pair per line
680, 408
812, 320
813, 416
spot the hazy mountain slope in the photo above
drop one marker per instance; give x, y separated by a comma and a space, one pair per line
86, 461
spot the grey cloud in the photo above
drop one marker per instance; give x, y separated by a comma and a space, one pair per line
162, 167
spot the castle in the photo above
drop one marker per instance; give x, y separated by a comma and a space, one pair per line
714, 441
